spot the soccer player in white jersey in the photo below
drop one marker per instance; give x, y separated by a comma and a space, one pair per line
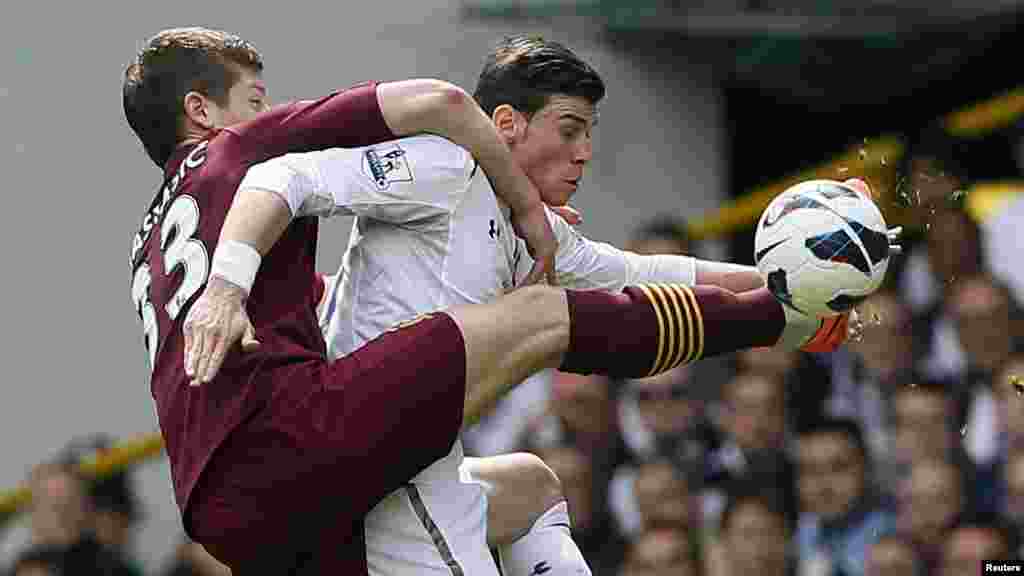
430, 234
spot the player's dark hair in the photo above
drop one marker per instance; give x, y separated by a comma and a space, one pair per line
525, 71
841, 427
172, 64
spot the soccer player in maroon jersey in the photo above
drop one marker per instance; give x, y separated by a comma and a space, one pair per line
196, 100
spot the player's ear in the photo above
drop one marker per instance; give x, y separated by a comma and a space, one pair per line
506, 121
197, 109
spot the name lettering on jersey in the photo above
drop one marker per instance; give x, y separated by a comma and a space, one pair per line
386, 164
194, 160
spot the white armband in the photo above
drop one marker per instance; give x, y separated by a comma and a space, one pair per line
236, 262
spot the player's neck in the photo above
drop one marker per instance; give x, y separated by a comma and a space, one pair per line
195, 134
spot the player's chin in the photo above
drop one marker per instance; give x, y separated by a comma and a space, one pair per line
566, 190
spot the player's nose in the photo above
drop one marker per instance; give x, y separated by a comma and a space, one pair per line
585, 151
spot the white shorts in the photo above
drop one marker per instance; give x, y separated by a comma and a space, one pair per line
435, 525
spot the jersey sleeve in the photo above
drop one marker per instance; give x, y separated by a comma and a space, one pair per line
400, 182
347, 118
583, 264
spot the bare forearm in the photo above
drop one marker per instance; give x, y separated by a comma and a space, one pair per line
732, 277
437, 107
257, 218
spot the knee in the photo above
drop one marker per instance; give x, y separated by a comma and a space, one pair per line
542, 481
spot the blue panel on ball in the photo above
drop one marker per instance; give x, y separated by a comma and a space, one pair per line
876, 243
838, 246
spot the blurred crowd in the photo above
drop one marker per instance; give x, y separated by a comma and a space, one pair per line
902, 453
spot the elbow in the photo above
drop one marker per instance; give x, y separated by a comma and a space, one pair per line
445, 100
424, 105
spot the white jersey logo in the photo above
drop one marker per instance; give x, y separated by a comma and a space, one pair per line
386, 164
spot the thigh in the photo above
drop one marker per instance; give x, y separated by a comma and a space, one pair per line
333, 440
510, 339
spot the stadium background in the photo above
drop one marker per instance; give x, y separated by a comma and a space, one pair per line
705, 106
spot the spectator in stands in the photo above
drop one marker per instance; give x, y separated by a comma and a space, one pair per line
892, 556
591, 524
968, 544
841, 517
807, 380
62, 541
753, 423
936, 247
923, 423
663, 552
754, 535
659, 422
115, 507
930, 501
866, 375
655, 414
662, 496
953, 254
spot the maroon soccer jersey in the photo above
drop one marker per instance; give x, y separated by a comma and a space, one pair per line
171, 261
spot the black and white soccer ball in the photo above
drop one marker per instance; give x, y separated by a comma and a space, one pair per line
822, 247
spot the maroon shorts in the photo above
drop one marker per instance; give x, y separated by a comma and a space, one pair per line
288, 489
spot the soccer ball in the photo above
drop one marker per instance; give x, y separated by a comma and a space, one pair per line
822, 247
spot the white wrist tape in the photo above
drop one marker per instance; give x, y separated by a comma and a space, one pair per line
237, 263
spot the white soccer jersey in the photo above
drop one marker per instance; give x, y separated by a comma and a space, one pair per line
429, 234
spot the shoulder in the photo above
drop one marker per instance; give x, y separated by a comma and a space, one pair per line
429, 149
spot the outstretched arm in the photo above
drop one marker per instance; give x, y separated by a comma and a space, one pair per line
258, 218
586, 264
732, 277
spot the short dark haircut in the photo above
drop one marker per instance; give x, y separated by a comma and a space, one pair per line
525, 71
172, 64
742, 492
841, 427
114, 492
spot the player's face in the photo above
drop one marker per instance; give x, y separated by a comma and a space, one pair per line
555, 146
246, 99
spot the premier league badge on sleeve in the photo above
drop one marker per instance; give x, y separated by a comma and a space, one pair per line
386, 164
